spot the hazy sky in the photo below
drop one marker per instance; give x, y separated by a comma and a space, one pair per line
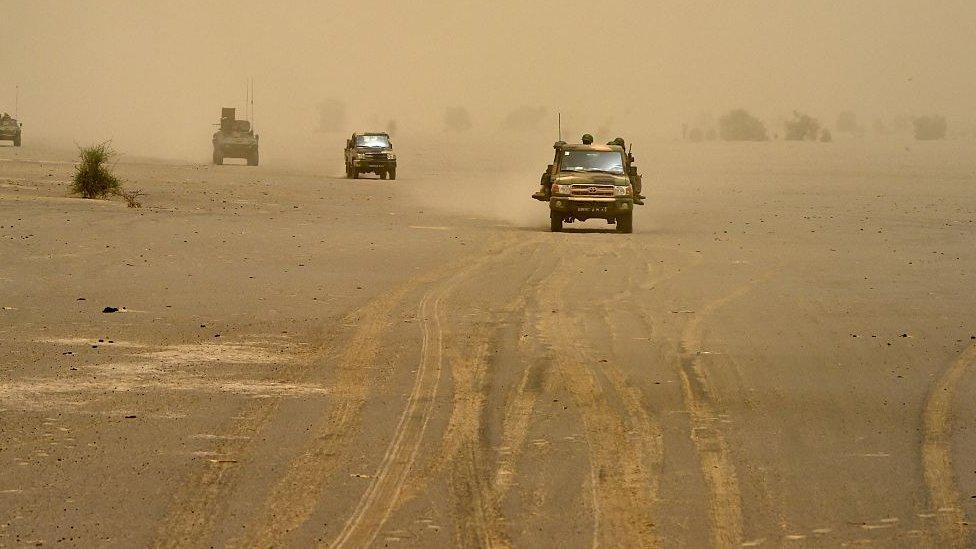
152, 75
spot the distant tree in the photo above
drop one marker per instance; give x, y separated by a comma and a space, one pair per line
847, 123
457, 119
739, 125
802, 128
826, 136
696, 135
930, 128
711, 135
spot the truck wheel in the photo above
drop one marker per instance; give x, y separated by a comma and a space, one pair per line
252, 159
555, 222
17, 141
393, 173
355, 173
348, 172
218, 159
382, 175
625, 223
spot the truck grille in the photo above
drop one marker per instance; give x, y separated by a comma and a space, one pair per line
591, 190
376, 156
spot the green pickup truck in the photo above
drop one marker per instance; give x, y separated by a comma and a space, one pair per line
591, 182
10, 130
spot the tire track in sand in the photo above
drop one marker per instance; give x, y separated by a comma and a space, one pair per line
620, 445
478, 522
195, 508
478, 488
294, 497
383, 493
718, 470
385, 490
940, 481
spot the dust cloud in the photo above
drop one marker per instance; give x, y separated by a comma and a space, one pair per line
152, 77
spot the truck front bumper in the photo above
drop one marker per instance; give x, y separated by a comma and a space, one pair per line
236, 150
369, 164
586, 207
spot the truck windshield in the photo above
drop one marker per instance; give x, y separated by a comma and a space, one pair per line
592, 161
373, 141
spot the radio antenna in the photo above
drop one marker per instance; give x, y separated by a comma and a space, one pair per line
559, 126
16, 100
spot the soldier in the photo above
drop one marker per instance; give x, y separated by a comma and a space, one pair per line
545, 182
587, 139
634, 179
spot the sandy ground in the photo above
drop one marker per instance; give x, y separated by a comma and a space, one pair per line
783, 353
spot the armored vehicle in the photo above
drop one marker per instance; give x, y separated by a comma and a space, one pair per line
234, 139
590, 182
10, 129
370, 153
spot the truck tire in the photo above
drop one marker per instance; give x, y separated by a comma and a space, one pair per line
355, 173
393, 173
218, 159
252, 159
382, 175
348, 171
17, 141
555, 222
625, 223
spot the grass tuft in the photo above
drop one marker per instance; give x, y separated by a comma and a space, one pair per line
93, 175
131, 197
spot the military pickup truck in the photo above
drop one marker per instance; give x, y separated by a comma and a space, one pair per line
370, 153
10, 129
590, 182
234, 139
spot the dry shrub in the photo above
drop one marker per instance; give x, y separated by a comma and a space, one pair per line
131, 197
930, 128
94, 178
803, 127
739, 125
93, 175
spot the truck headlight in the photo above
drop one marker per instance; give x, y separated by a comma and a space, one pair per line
360, 156
560, 189
622, 191
390, 156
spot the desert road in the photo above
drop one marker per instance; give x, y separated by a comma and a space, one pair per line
783, 354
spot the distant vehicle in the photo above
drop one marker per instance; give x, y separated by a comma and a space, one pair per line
370, 153
234, 139
10, 129
590, 182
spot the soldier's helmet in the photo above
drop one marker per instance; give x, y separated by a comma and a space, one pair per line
587, 139
619, 142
